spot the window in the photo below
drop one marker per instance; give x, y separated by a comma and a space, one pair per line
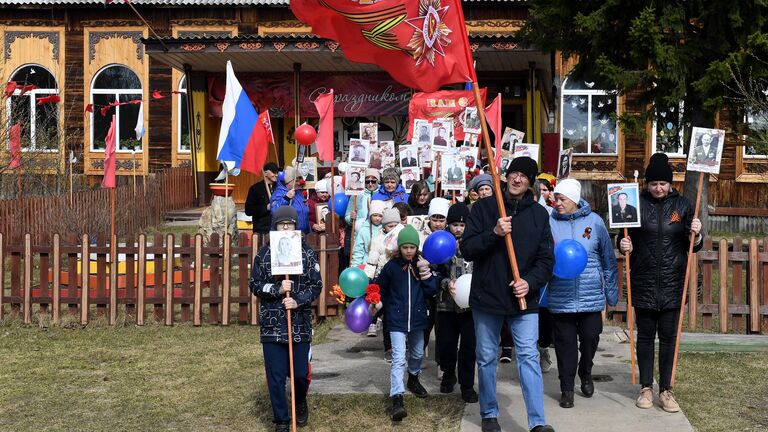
184, 143
39, 123
115, 83
587, 124
757, 140
668, 131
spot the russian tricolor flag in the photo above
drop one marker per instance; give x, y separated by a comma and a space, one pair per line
238, 133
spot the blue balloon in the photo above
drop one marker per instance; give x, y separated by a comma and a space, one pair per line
570, 259
340, 202
439, 247
280, 176
357, 316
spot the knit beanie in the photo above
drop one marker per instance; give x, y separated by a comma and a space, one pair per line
372, 172
571, 188
322, 186
481, 180
289, 174
390, 173
658, 169
525, 165
408, 235
283, 214
377, 207
439, 207
457, 213
391, 215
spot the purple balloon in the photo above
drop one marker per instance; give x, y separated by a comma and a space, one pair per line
357, 316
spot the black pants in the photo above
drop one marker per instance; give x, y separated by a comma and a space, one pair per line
506, 340
454, 329
546, 328
576, 333
649, 322
277, 368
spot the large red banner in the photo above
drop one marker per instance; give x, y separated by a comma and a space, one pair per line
448, 104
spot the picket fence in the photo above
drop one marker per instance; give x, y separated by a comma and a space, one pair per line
172, 283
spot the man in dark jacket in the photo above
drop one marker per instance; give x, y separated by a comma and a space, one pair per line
271, 290
257, 203
494, 295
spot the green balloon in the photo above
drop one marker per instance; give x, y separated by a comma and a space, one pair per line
353, 282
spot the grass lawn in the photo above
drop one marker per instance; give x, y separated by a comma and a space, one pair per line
156, 378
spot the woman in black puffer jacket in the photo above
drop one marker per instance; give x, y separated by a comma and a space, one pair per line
659, 251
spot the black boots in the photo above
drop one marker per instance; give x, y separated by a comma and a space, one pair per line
447, 383
587, 386
566, 399
415, 387
469, 395
490, 425
398, 408
302, 414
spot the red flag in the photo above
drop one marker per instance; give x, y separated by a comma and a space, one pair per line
421, 44
256, 149
493, 117
10, 87
88, 108
442, 104
109, 156
324, 141
27, 88
157, 95
15, 138
48, 99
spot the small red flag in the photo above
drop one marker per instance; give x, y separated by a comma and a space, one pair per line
89, 108
15, 138
109, 180
10, 87
157, 95
256, 149
324, 140
493, 117
26, 88
48, 99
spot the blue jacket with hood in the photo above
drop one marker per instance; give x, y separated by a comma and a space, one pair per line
279, 199
598, 282
404, 295
398, 195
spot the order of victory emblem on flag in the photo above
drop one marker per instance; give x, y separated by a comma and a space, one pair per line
431, 33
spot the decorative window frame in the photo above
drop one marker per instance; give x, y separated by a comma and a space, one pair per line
117, 92
678, 161
102, 47
750, 168
43, 46
33, 108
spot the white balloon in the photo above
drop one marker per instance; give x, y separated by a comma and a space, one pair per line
463, 284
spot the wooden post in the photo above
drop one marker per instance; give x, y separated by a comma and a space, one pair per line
168, 279
333, 194
142, 269
497, 189
56, 277
754, 294
113, 270
197, 314
323, 261
85, 265
227, 269
687, 280
27, 278
693, 295
722, 253
2, 274
630, 314
254, 299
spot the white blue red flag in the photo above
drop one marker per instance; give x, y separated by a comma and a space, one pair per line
239, 118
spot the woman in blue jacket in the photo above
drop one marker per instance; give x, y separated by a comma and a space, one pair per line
390, 188
576, 304
286, 195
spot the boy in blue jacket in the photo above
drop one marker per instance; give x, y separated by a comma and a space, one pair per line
405, 281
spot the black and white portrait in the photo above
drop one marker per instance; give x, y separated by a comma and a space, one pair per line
422, 132
510, 138
409, 176
623, 205
354, 181
369, 132
564, 163
359, 152
442, 134
706, 150
470, 121
452, 169
409, 156
285, 252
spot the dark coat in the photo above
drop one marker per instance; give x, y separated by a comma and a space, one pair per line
404, 295
492, 274
306, 288
629, 216
256, 206
660, 251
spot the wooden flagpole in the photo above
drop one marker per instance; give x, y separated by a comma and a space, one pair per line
333, 194
71, 183
290, 363
630, 314
497, 189
113, 260
687, 277
226, 204
352, 230
133, 159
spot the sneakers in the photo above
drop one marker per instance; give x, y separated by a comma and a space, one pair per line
302, 414
544, 360
543, 428
372, 330
667, 402
447, 383
282, 427
490, 425
506, 355
469, 395
388, 356
566, 399
645, 400
415, 387
379, 324
398, 408
587, 386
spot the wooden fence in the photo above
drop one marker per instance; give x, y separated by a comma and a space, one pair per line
89, 211
728, 289
172, 283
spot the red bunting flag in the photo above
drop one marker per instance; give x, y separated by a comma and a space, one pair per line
256, 149
157, 95
421, 44
27, 88
48, 99
89, 108
10, 87
15, 138
493, 117
109, 180
324, 140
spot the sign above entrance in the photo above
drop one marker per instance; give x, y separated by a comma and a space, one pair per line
355, 95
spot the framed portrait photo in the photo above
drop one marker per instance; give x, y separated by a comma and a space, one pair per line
359, 152
706, 150
529, 150
453, 171
285, 252
510, 138
369, 132
355, 178
409, 156
623, 205
442, 134
470, 121
418, 222
321, 211
409, 176
422, 132
308, 171
564, 163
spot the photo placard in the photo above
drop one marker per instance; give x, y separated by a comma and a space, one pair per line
706, 150
623, 205
285, 252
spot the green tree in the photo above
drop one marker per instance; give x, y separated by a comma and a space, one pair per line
663, 52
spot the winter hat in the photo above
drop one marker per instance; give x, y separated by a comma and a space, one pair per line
658, 169
408, 235
271, 167
457, 213
481, 180
571, 188
289, 174
391, 215
390, 173
322, 186
377, 207
283, 214
439, 207
524, 165
372, 172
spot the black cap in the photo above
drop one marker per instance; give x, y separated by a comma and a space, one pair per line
457, 213
284, 213
658, 169
524, 165
271, 166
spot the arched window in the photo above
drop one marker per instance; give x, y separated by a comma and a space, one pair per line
184, 143
668, 131
757, 138
115, 83
39, 122
588, 123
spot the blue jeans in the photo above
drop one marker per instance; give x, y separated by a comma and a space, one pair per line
525, 331
416, 348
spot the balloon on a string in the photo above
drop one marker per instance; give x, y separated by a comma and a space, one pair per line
305, 135
462, 285
280, 176
353, 282
439, 247
340, 202
357, 316
570, 259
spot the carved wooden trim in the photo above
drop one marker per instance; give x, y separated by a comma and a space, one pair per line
306, 45
250, 46
333, 46
474, 46
279, 46
125, 165
196, 22
34, 23
193, 47
203, 33
504, 46
111, 23
283, 28
222, 46
94, 37
11, 36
